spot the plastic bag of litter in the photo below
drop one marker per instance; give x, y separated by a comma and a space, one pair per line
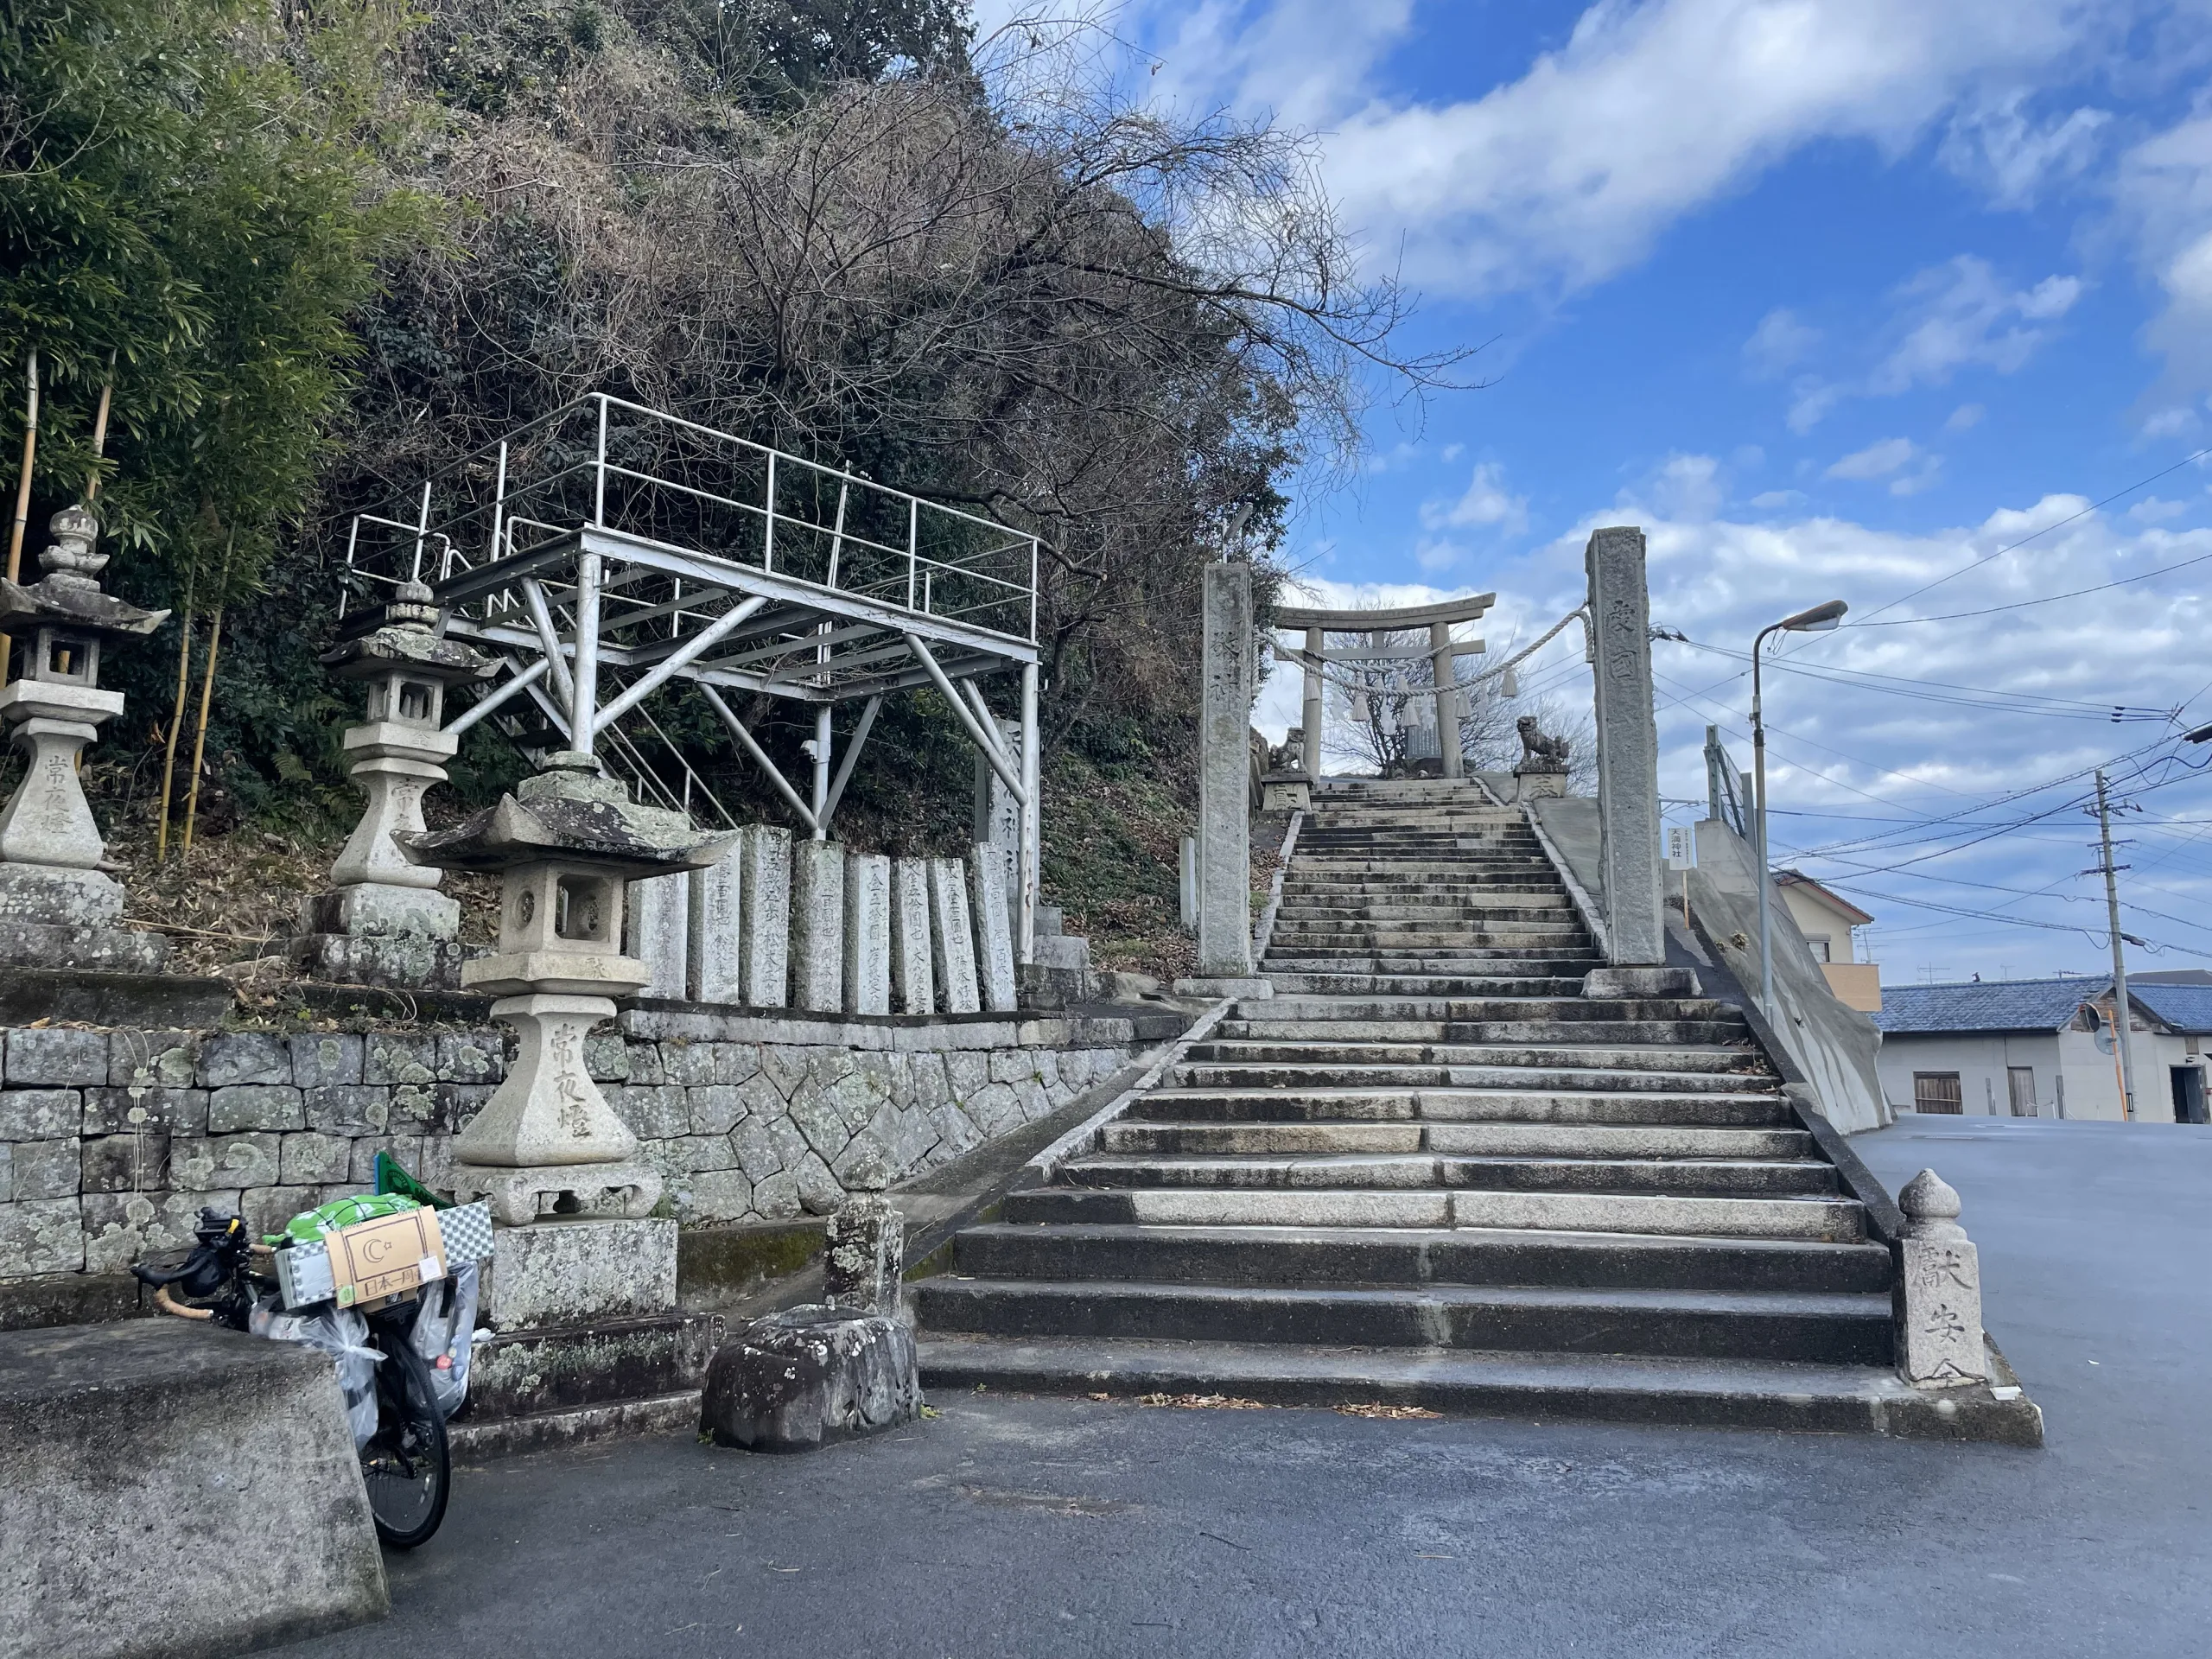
341, 1333
445, 1333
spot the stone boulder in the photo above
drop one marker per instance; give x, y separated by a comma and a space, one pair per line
173, 1489
808, 1377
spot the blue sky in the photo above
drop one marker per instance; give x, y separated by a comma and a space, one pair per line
1834, 297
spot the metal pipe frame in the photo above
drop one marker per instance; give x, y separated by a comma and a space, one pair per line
761, 757
541, 614
492, 699
975, 731
583, 697
674, 664
853, 746
1032, 826
823, 735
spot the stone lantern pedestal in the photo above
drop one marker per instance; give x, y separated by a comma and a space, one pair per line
58, 907
383, 921
566, 844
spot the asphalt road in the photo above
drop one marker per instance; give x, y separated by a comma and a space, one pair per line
1039, 1528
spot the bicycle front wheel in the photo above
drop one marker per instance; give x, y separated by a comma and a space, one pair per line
405, 1465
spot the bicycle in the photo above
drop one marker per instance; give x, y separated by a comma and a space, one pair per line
405, 1465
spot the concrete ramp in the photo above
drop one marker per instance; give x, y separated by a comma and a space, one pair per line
170, 1489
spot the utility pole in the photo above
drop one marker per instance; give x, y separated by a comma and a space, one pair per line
2121, 1022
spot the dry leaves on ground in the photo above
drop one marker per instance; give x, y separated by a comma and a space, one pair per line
1388, 1413
1202, 1401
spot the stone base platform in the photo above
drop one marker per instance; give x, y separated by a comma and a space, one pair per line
100, 950
88, 997
170, 1489
391, 962
523, 1374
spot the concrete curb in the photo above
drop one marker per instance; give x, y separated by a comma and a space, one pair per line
1085, 1136
1266, 930
1585, 906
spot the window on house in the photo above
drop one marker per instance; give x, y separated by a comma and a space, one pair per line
1937, 1092
1819, 944
2020, 1084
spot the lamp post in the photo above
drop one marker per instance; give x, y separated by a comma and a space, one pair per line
1819, 619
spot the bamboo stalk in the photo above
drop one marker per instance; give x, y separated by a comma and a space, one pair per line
199, 732
22, 491
99, 432
207, 692
176, 721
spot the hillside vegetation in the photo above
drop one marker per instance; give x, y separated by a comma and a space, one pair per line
312, 254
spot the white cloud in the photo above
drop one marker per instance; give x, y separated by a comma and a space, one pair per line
2163, 202
1686, 486
1923, 477
1566, 174
1811, 399
1876, 459
1774, 500
1780, 343
1959, 314
1965, 416
2012, 156
1485, 503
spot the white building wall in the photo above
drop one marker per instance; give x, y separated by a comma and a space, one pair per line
2073, 1077
1982, 1060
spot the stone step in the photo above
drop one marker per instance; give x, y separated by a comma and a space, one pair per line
1768, 1216
1579, 1056
1490, 958
1462, 1009
1701, 1393
1321, 909
1525, 1079
1380, 1171
1534, 931
1460, 1106
1495, 1139
1414, 985
1295, 1256
1495, 1031
1466, 884
1824, 1327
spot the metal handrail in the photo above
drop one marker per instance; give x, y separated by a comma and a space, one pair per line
1724, 785
439, 535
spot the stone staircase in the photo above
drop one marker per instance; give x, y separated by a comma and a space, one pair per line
1430, 1171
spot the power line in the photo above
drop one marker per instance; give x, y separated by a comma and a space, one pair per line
1978, 562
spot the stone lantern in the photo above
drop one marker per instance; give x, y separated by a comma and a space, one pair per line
566, 844
385, 922
57, 907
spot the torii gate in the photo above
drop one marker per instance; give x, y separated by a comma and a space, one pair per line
606, 542
1439, 618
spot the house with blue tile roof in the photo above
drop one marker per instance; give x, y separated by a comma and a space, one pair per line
2045, 1047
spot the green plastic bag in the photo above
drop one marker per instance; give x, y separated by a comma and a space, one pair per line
313, 1226
392, 1178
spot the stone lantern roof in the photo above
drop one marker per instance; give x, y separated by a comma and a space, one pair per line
68, 595
407, 641
570, 813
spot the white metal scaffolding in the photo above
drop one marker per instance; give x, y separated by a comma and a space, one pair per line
607, 550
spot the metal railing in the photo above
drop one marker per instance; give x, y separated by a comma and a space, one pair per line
1727, 794
605, 463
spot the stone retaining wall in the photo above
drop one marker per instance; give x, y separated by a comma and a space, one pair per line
111, 1140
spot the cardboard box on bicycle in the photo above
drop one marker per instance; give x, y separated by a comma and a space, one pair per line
383, 1256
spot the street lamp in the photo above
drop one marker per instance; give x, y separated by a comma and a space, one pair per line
1820, 619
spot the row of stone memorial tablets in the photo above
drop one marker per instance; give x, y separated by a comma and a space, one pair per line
809, 925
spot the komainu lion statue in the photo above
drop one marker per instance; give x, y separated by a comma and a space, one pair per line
1540, 752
